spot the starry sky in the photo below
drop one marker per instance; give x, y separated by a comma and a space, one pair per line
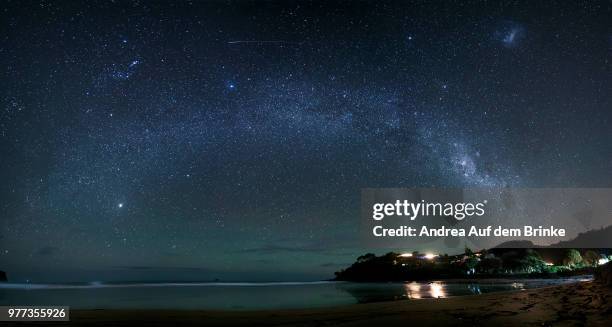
230, 139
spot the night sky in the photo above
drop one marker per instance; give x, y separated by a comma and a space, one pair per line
201, 140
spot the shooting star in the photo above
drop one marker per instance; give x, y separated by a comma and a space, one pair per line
264, 42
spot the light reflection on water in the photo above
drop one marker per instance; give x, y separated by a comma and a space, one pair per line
474, 288
413, 290
375, 292
248, 296
436, 290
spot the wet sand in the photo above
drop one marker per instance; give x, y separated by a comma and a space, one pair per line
585, 303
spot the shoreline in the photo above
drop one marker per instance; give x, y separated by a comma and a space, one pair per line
582, 303
483, 280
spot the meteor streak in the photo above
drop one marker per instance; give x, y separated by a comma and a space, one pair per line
263, 42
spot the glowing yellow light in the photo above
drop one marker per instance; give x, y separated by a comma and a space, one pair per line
430, 256
549, 263
436, 290
406, 255
413, 290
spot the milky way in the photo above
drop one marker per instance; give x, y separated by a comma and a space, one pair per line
231, 140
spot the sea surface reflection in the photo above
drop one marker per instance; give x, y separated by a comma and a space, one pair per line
416, 290
247, 296
375, 292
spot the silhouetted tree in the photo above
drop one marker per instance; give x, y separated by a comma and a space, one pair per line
366, 257
490, 264
572, 258
512, 261
591, 258
468, 251
533, 262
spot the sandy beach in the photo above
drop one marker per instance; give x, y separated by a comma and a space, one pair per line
585, 303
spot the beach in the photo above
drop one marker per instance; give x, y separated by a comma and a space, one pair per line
584, 303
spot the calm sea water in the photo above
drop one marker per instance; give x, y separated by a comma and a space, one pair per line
247, 296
